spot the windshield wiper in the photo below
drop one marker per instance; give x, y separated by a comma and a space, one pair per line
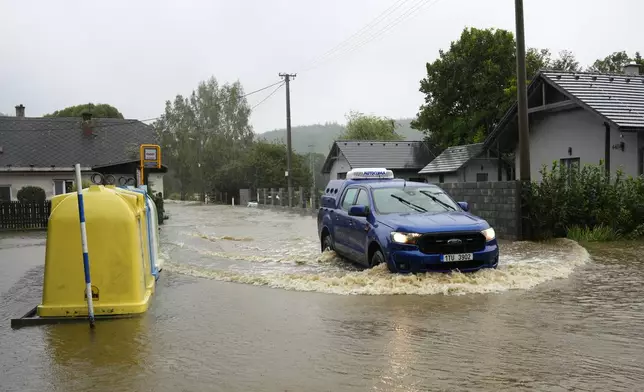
437, 200
407, 202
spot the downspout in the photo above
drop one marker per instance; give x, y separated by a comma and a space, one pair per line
607, 150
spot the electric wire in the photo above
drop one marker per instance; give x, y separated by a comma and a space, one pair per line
267, 97
361, 31
415, 8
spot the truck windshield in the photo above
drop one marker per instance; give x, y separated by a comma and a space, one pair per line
412, 200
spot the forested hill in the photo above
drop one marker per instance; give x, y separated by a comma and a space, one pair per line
321, 136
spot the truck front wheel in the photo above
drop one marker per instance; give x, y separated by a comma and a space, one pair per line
327, 244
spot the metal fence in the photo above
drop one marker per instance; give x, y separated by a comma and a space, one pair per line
15, 215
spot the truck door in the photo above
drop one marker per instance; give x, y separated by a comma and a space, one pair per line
359, 227
342, 221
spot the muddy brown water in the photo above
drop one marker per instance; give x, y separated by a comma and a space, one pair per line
247, 303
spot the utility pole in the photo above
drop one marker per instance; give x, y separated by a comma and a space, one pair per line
311, 169
522, 96
287, 79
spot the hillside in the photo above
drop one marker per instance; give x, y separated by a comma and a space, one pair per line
322, 136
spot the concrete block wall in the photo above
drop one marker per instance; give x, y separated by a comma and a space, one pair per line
496, 202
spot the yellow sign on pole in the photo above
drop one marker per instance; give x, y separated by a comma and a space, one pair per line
150, 158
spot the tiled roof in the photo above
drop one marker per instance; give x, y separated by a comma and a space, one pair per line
391, 155
453, 158
617, 97
43, 142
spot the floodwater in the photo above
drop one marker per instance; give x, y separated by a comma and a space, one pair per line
248, 303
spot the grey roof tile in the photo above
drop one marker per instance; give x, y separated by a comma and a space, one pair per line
617, 97
391, 155
453, 158
43, 142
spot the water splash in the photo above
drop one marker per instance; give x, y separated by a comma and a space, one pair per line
523, 266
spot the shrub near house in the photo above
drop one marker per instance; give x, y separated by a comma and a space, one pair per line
584, 202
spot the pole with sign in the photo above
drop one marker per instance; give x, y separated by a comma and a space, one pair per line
150, 158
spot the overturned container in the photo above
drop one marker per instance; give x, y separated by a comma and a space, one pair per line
116, 224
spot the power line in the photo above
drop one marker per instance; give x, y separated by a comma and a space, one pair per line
379, 33
268, 96
385, 13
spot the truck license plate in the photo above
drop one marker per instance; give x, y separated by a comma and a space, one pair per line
458, 257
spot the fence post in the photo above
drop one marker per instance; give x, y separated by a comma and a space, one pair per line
313, 198
272, 197
302, 197
280, 194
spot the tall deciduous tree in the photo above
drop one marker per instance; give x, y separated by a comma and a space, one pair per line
207, 134
615, 62
363, 127
101, 110
465, 87
470, 87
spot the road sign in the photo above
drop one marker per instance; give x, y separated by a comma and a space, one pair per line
150, 158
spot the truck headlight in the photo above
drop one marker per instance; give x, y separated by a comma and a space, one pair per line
404, 238
489, 234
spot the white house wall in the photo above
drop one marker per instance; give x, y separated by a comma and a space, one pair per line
42, 180
483, 165
46, 181
582, 130
468, 172
340, 165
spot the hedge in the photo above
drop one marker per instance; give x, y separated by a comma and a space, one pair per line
584, 198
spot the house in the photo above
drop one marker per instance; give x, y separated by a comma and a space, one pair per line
42, 152
467, 163
404, 158
579, 118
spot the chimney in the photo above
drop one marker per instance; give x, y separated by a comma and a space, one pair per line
86, 124
632, 69
20, 110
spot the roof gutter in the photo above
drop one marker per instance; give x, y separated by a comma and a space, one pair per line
41, 169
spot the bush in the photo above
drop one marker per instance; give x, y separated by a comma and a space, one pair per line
31, 194
599, 233
587, 199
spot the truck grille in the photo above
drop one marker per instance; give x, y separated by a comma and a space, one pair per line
449, 243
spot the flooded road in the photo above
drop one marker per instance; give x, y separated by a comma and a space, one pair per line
247, 303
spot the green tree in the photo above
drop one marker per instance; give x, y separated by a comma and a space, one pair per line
615, 62
101, 110
363, 127
465, 88
470, 86
265, 163
205, 137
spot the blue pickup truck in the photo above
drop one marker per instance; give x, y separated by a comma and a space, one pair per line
372, 218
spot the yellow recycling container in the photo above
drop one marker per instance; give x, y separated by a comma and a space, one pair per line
119, 261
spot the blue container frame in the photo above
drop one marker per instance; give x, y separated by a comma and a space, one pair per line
153, 261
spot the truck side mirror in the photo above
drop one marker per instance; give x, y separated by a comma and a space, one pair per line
359, 210
464, 206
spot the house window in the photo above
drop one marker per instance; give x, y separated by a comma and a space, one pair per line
5, 192
417, 179
570, 163
441, 178
481, 177
342, 176
63, 186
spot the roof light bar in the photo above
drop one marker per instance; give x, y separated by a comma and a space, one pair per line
370, 174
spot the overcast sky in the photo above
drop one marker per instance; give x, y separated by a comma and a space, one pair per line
136, 55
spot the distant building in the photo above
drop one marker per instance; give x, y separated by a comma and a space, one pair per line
467, 163
404, 158
42, 152
580, 118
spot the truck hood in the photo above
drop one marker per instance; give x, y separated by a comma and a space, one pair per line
426, 223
